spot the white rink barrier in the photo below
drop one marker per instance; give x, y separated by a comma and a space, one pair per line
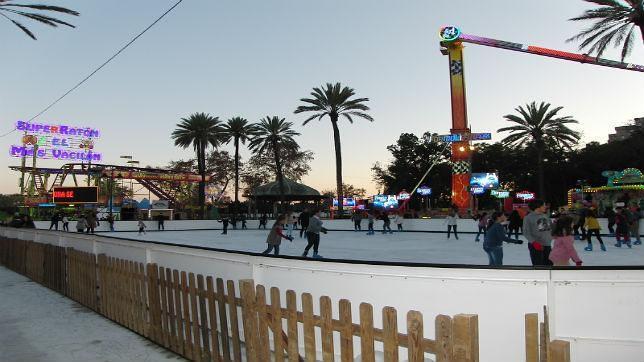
599, 310
465, 225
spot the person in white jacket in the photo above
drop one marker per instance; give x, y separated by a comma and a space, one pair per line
452, 223
399, 220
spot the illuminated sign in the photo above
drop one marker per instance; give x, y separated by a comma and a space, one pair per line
449, 33
525, 195
385, 201
75, 195
477, 190
500, 194
403, 195
485, 180
56, 141
346, 202
424, 191
462, 137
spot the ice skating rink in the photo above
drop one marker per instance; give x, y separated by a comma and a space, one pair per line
418, 247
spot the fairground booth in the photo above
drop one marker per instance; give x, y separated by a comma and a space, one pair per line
625, 187
265, 198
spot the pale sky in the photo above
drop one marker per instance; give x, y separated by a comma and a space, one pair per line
257, 58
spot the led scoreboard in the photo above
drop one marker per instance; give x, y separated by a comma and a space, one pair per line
75, 195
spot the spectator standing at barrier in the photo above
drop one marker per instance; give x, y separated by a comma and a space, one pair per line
313, 235
275, 236
593, 228
622, 228
370, 221
81, 224
399, 220
54, 221
356, 217
564, 247
537, 229
452, 223
304, 218
494, 237
515, 224
262, 221
483, 220
609, 214
65, 223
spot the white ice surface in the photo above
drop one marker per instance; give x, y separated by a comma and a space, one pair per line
397, 247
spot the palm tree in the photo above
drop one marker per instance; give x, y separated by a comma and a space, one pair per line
333, 101
7, 8
615, 23
539, 126
238, 130
199, 130
271, 135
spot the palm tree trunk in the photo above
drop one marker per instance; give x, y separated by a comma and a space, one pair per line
280, 177
338, 162
201, 160
236, 177
540, 175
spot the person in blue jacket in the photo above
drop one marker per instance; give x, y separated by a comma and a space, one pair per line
494, 238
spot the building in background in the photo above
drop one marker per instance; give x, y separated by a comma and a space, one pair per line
624, 132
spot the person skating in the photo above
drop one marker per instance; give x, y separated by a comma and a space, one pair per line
634, 225
564, 248
233, 222
494, 237
593, 228
370, 221
263, 220
288, 224
622, 228
452, 223
399, 220
243, 222
357, 221
65, 223
304, 218
54, 221
224, 221
386, 223
142, 226
579, 224
537, 229
81, 224
275, 236
483, 220
160, 222
313, 235
92, 223
515, 223
609, 214
110, 222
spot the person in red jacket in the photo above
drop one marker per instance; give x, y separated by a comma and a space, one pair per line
564, 245
275, 236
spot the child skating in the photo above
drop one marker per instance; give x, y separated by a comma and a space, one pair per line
370, 221
564, 248
622, 228
386, 223
399, 220
142, 227
592, 226
275, 236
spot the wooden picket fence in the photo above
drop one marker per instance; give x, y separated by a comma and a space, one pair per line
207, 319
538, 346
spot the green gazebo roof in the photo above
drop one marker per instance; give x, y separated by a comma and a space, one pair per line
293, 191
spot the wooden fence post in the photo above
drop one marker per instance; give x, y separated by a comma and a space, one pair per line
559, 351
532, 337
415, 350
444, 347
390, 333
249, 316
366, 333
465, 328
154, 303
